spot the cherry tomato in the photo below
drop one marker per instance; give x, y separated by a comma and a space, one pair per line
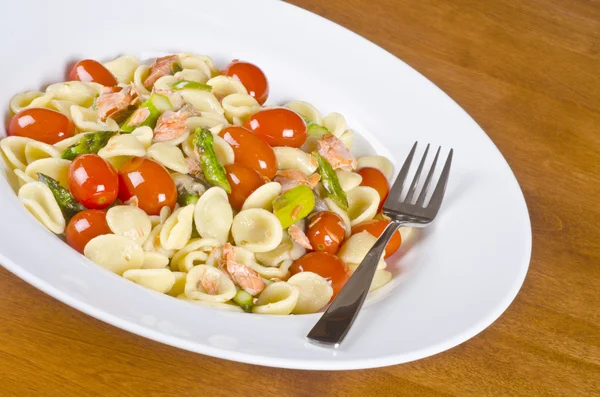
41, 124
325, 265
93, 181
251, 151
326, 231
374, 178
89, 70
278, 127
243, 180
150, 182
251, 76
375, 227
84, 226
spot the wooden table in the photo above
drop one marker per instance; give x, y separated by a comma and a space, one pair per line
528, 71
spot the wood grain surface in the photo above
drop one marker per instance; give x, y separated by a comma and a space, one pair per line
528, 71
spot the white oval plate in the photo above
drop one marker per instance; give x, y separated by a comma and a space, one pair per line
460, 276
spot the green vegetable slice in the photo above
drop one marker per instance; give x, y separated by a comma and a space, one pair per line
244, 299
294, 205
156, 104
214, 172
67, 203
330, 182
192, 85
89, 143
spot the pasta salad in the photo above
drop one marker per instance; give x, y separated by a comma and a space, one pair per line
178, 177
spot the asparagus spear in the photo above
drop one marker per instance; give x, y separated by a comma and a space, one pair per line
156, 105
293, 205
214, 172
314, 129
193, 85
64, 198
244, 299
331, 182
90, 143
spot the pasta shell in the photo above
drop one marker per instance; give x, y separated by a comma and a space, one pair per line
144, 135
87, 120
68, 142
40, 202
363, 202
115, 253
223, 151
277, 298
168, 155
77, 92
194, 253
129, 221
154, 260
263, 197
152, 243
274, 257
57, 169
207, 120
191, 75
335, 123
122, 145
23, 177
177, 229
380, 162
225, 85
257, 230
178, 287
165, 82
239, 107
315, 292
13, 148
342, 214
381, 278
63, 107
348, 180
29, 99
289, 158
159, 280
213, 215
208, 283
203, 63
305, 110
347, 139
123, 68
202, 101
354, 249
139, 75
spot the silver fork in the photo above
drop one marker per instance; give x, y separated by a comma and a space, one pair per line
335, 323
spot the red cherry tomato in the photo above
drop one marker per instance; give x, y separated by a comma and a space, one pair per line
84, 226
243, 181
326, 232
251, 76
89, 70
41, 124
374, 178
278, 127
325, 265
375, 227
93, 181
251, 151
150, 182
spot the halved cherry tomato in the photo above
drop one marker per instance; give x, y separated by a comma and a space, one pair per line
84, 226
326, 231
41, 124
375, 227
150, 182
278, 127
93, 181
89, 70
325, 265
374, 178
251, 76
251, 151
243, 180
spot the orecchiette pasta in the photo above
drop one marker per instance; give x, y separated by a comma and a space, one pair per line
168, 155
177, 229
144, 135
213, 215
77, 92
362, 204
277, 298
22, 177
61, 106
347, 138
129, 221
123, 68
354, 250
195, 252
225, 85
87, 120
122, 145
67, 142
335, 123
154, 260
191, 75
263, 197
153, 244
29, 99
348, 180
381, 163
238, 107
57, 169
115, 253
40, 202
257, 230
315, 292
305, 110
208, 283
21, 151
202, 101
178, 287
160, 280
289, 158
139, 75
202, 63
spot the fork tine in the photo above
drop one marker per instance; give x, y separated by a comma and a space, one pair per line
440, 188
415, 181
396, 191
421, 199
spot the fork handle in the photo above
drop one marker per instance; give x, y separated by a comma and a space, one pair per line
335, 323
